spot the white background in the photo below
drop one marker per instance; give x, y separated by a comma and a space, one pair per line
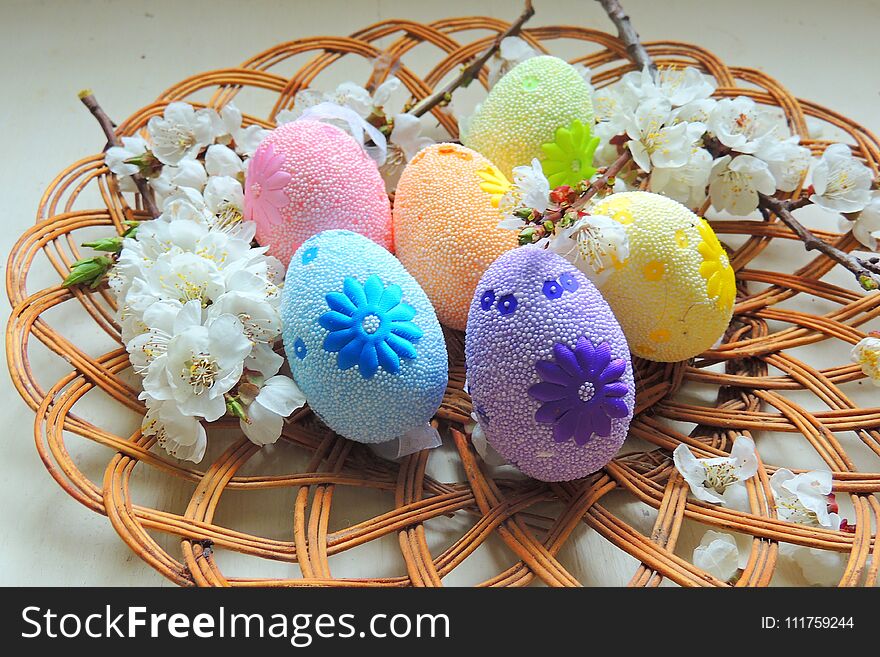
128, 52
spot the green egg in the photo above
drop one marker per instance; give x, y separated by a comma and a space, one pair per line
540, 109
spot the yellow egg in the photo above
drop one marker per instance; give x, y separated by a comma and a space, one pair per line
445, 222
673, 295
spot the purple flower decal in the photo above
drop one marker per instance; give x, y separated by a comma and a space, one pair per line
580, 391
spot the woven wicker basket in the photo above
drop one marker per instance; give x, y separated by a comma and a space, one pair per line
533, 520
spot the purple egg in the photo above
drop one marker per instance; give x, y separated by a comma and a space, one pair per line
548, 366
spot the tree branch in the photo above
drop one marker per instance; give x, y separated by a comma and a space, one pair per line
88, 99
595, 187
468, 73
627, 33
865, 271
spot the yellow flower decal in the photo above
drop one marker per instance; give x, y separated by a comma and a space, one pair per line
716, 269
495, 183
654, 270
569, 158
616, 206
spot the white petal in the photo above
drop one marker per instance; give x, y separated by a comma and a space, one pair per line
264, 360
222, 161
745, 457
718, 555
281, 395
694, 474
263, 426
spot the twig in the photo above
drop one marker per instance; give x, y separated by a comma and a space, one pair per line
595, 187
627, 33
468, 73
865, 271
88, 99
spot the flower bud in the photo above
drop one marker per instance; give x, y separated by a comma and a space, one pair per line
110, 244
148, 164
562, 194
234, 407
89, 271
867, 282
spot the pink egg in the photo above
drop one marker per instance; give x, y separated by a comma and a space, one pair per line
306, 177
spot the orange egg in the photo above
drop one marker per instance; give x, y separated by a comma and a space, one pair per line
445, 221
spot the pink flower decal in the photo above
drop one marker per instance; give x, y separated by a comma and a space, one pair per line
264, 195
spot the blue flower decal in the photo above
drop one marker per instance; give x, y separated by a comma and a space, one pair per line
369, 326
507, 304
580, 391
568, 282
552, 289
299, 348
309, 254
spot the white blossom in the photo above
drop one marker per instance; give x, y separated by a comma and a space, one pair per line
740, 124
677, 85
840, 182
116, 157
185, 277
696, 111
277, 399
718, 555
259, 317
734, 183
181, 132
865, 225
787, 160
530, 189
406, 139
182, 436
189, 173
221, 160
652, 142
159, 319
686, 184
807, 499
819, 567
228, 128
201, 364
348, 94
224, 198
593, 243
867, 355
804, 498
719, 480
406, 134
198, 305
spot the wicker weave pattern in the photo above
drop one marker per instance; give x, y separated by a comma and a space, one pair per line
749, 398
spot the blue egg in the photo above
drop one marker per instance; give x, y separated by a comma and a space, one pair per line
362, 339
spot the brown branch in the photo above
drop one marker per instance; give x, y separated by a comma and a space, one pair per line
595, 187
88, 99
627, 33
865, 271
467, 74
